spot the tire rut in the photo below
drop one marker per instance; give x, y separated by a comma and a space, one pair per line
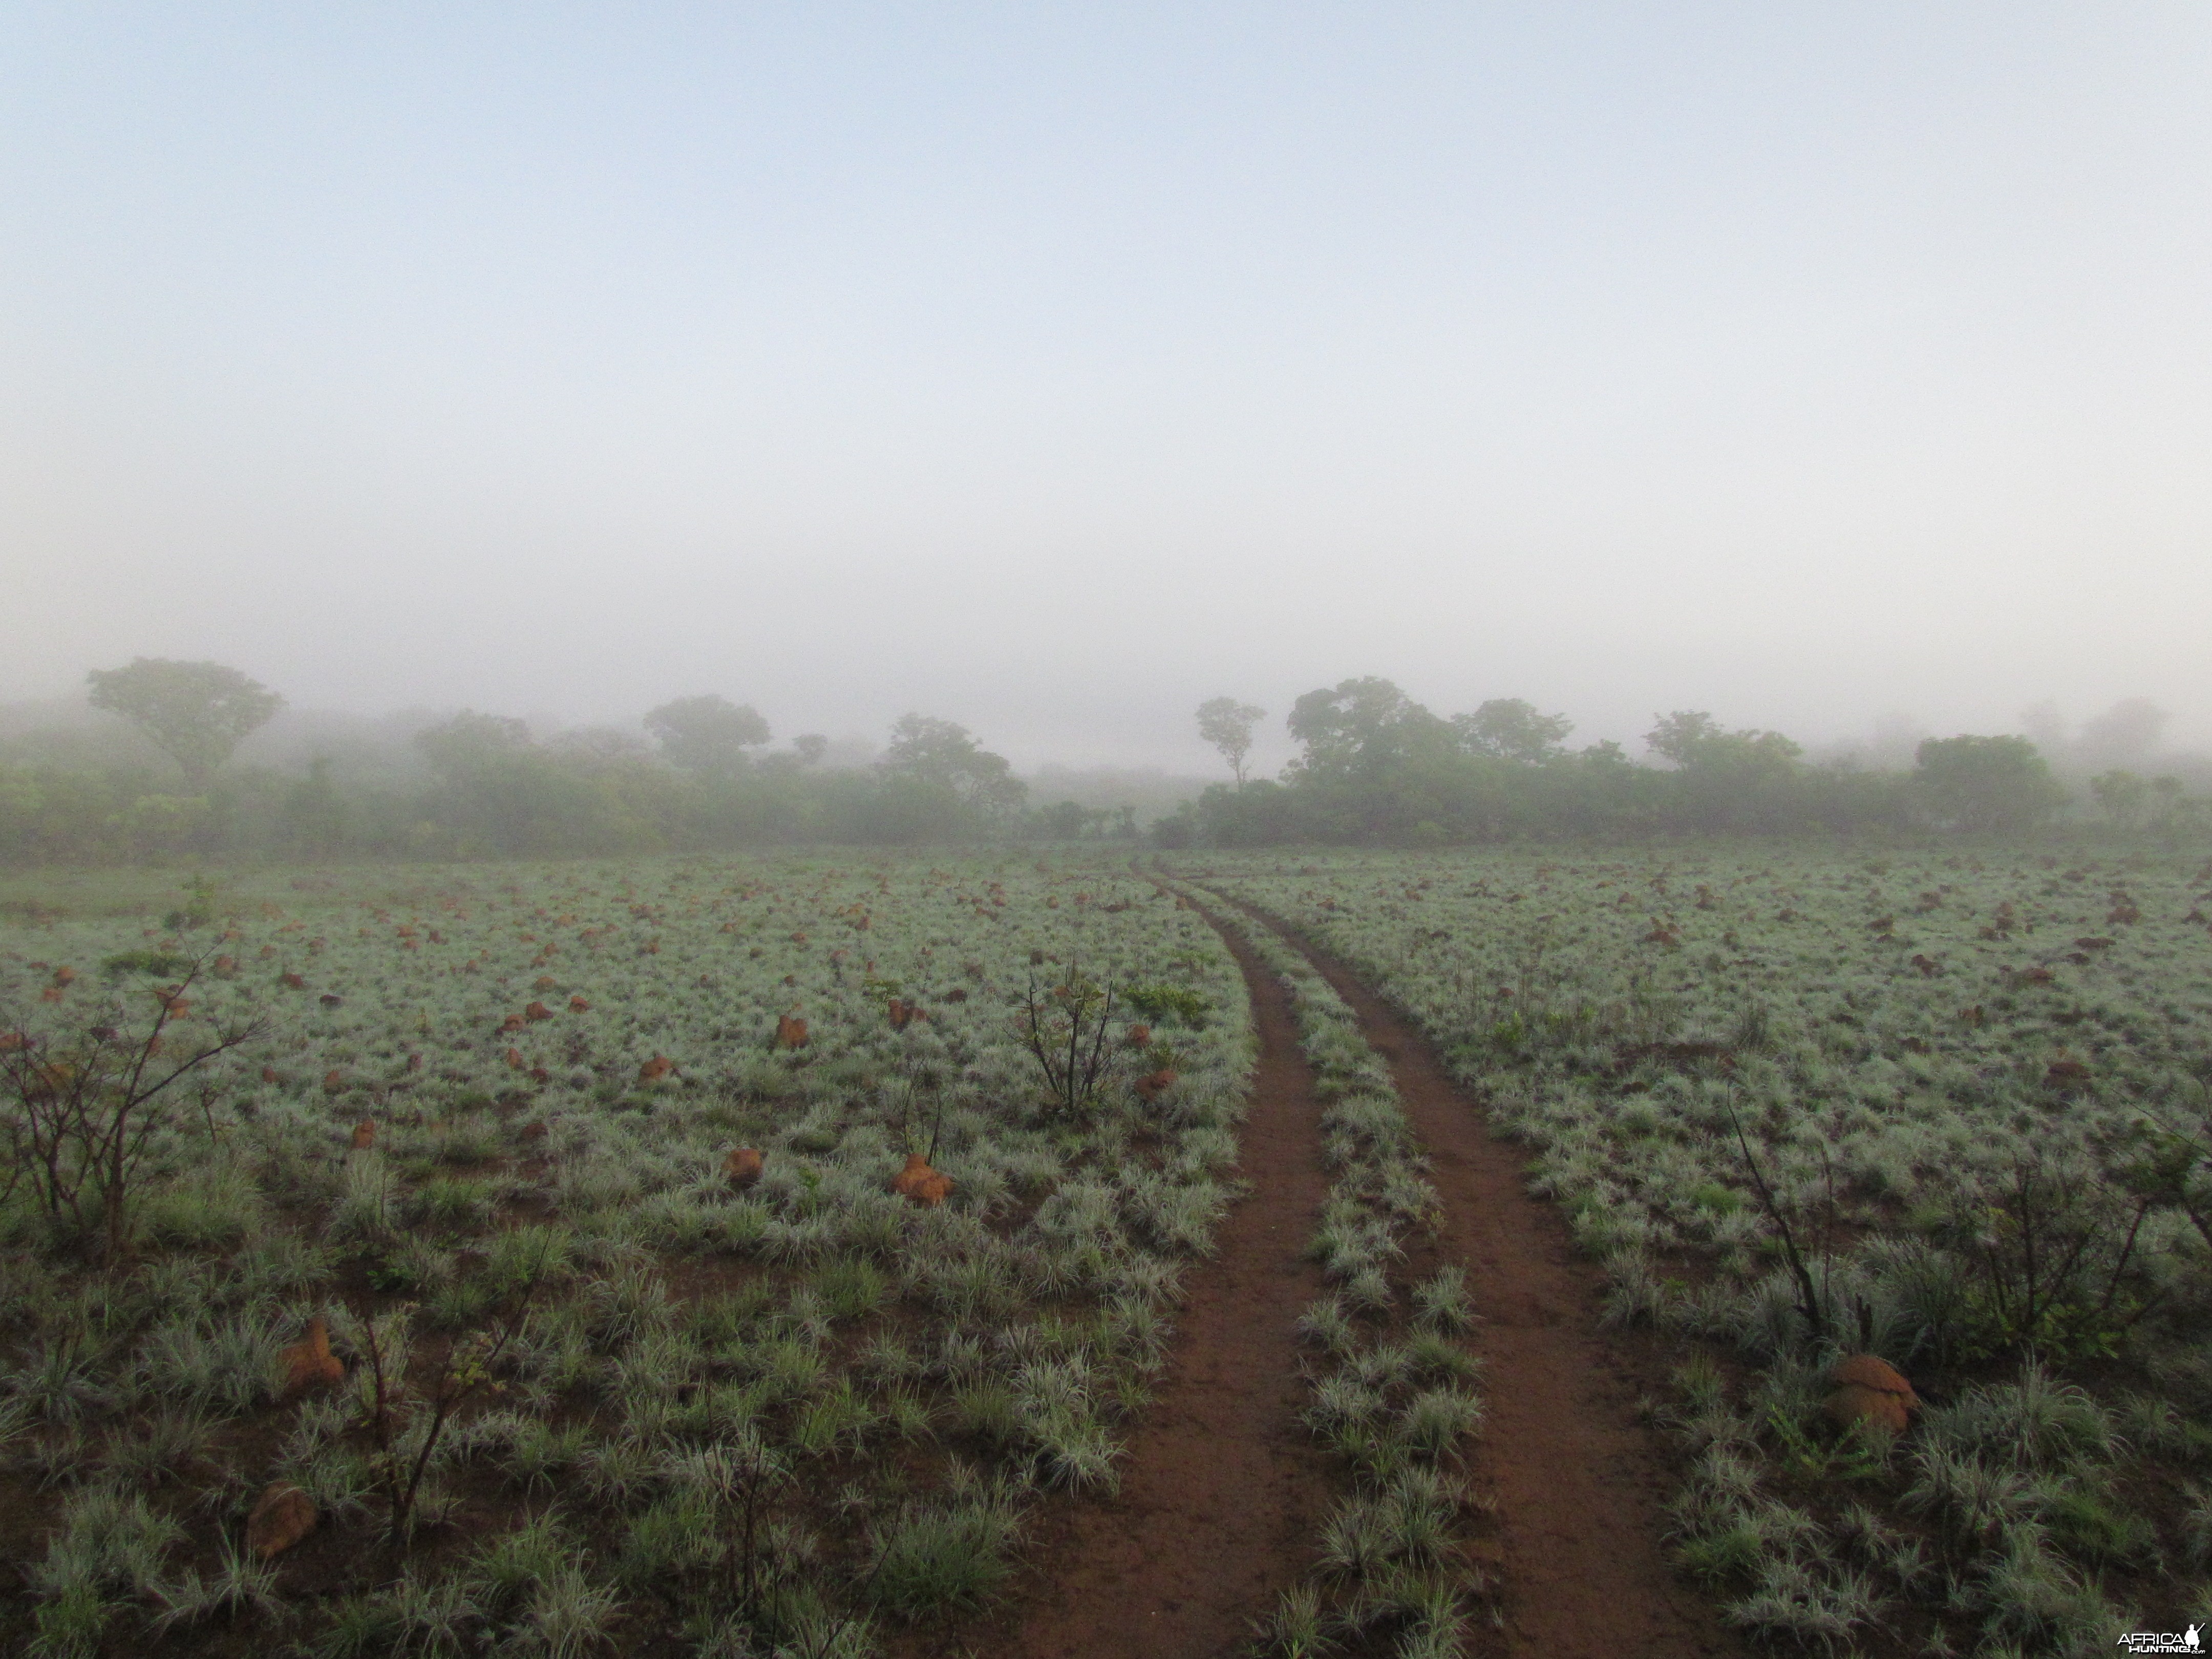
1575, 1484
1223, 1491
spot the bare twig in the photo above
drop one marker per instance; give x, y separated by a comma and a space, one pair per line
1808, 1298
77, 1120
1066, 1032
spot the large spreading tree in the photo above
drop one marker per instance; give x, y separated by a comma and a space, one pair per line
707, 734
195, 712
1511, 729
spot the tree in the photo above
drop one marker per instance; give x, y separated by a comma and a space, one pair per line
1695, 741
940, 755
195, 712
707, 734
1364, 726
1509, 728
1378, 765
1998, 785
1227, 724
1747, 780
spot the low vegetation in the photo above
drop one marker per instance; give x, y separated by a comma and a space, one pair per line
1947, 1111
439, 1311
730, 1256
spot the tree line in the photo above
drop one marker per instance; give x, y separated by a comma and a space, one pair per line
1377, 768
489, 787
1374, 767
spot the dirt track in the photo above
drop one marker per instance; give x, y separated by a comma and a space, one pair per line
1223, 1491
1576, 1484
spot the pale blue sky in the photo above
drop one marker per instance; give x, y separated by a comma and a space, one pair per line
1052, 368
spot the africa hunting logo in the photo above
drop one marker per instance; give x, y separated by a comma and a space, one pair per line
2154, 1641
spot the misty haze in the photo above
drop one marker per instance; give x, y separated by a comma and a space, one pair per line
1186, 831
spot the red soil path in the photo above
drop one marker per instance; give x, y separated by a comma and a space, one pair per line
1223, 1491
1575, 1560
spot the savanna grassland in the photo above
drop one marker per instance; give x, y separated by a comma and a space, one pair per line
770, 1255
1948, 1110
446, 1233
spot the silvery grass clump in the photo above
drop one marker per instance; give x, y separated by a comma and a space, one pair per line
1999, 1513
529, 1587
106, 1555
936, 1557
1394, 1392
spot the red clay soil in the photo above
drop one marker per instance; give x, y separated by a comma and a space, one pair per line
1222, 1492
1575, 1560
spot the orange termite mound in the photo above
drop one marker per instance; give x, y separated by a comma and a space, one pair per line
537, 1011
578, 1005
1153, 1085
655, 1069
904, 1013
921, 1183
1138, 1036
514, 1059
297, 982
281, 1518
364, 1134
790, 1032
333, 1080
309, 1363
544, 982
743, 1167
1868, 1389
